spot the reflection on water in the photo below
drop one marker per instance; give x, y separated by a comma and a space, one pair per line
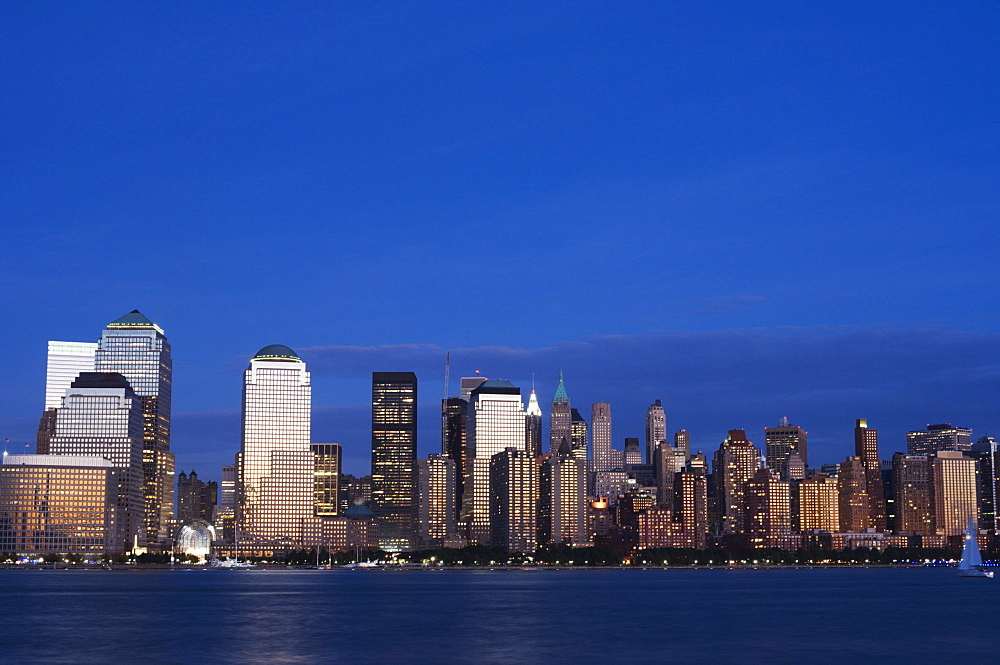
763, 616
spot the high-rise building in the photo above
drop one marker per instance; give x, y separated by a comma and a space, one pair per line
656, 428
227, 496
816, 504
602, 456
939, 437
682, 440
469, 383
782, 441
954, 490
561, 419
101, 416
326, 479
667, 463
66, 360
853, 490
562, 501
632, 454
455, 445
986, 452
496, 423
734, 465
769, 511
137, 348
533, 425
66, 504
866, 449
276, 483
913, 493
394, 458
578, 435
436, 481
195, 497
513, 483
691, 505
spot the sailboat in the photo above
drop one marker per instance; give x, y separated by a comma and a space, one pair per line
971, 564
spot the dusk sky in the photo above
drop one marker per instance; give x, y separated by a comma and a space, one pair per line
748, 211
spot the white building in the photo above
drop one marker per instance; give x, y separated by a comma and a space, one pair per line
65, 362
496, 422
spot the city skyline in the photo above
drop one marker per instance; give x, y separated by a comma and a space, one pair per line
748, 213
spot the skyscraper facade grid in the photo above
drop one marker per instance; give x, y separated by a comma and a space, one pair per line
394, 458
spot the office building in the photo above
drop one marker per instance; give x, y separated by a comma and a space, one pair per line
853, 490
912, 482
66, 504
496, 423
561, 419
781, 442
579, 434
769, 511
734, 465
816, 504
939, 437
691, 506
602, 457
682, 441
137, 348
65, 362
195, 497
955, 492
986, 452
513, 483
562, 501
394, 458
533, 425
656, 429
467, 384
455, 445
632, 454
326, 479
866, 449
437, 514
275, 476
227, 490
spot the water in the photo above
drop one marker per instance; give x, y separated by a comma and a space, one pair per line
847, 616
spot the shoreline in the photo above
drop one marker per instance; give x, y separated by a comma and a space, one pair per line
419, 568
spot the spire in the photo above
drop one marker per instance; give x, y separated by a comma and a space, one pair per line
561, 395
533, 408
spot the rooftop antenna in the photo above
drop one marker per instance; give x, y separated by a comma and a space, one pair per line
447, 373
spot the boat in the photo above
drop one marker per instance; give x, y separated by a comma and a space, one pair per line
230, 563
971, 564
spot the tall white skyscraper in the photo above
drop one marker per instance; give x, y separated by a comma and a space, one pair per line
276, 462
66, 360
495, 423
602, 458
656, 429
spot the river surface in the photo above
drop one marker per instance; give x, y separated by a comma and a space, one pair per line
849, 616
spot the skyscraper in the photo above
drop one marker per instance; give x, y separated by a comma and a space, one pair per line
602, 458
781, 442
533, 425
513, 483
632, 455
136, 348
914, 499
578, 435
769, 511
656, 428
817, 504
65, 362
734, 465
195, 497
496, 423
938, 437
455, 445
986, 452
275, 485
866, 448
561, 419
562, 505
326, 479
853, 492
954, 490
394, 458
437, 513
682, 440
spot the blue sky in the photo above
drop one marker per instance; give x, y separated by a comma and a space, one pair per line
749, 212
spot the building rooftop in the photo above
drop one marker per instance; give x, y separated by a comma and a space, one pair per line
277, 352
100, 380
134, 319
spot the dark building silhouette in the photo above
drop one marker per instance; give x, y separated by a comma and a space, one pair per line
394, 458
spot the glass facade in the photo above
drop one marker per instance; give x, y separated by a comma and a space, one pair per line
61, 504
394, 458
436, 477
136, 348
276, 490
513, 483
65, 362
326, 479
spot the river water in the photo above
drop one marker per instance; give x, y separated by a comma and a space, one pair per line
849, 616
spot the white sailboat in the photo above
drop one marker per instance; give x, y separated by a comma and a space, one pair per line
971, 564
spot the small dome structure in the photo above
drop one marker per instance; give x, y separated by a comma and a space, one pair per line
277, 352
195, 537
